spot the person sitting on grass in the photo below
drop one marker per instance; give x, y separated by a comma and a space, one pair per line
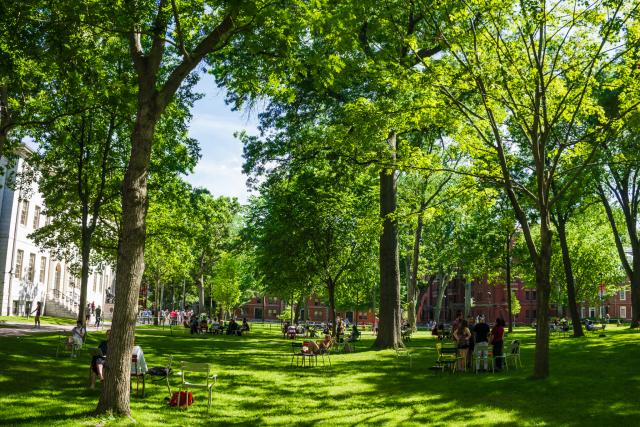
317, 347
97, 361
245, 325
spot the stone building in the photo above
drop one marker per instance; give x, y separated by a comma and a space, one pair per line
29, 274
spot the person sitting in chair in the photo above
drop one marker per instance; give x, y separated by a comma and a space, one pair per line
319, 346
77, 335
140, 366
194, 325
355, 334
233, 328
97, 361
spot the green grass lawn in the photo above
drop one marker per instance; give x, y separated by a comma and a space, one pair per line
44, 320
594, 382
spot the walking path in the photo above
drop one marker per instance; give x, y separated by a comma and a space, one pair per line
17, 329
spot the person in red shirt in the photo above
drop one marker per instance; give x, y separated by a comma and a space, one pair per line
497, 336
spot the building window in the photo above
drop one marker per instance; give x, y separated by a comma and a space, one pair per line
36, 218
31, 273
43, 268
623, 295
58, 276
19, 260
592, 312
16, 305
623, 312
24, 213
526, 295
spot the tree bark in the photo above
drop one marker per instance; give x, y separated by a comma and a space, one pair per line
442, 287
84, 275
331, 291
635, 286
508, 279
412, 291
543, 292
200, 282
389, 335
115, 391
568, 272
633, 269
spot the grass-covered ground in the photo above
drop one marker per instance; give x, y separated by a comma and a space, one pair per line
44, 320
594, 382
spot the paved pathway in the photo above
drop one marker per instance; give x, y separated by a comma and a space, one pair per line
16, 329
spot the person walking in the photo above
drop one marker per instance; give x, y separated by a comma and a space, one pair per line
98, 316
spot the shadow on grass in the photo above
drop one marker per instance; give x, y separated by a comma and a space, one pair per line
591, 384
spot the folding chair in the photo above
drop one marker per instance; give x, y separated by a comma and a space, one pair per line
158, 374
447, 357
298, 353
205, 379
403, 352
513, 354
137, 372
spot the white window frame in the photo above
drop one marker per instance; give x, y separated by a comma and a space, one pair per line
24, 213
19, 264
623, 295
623, 312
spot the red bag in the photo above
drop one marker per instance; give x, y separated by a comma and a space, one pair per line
186, 399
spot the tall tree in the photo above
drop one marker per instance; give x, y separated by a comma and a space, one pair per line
209, 226
168, 40
524, 84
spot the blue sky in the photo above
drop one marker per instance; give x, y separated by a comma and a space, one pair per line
213, 125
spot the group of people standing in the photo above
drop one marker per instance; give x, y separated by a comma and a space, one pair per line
474, 336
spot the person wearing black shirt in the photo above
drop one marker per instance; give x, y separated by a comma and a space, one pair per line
481, 333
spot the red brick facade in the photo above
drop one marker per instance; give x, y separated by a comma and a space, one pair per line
269, 308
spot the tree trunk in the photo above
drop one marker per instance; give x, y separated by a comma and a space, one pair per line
6, 121
543, 291
130, 265
412, 291
442, 287
389, 335
84, 274
568, 272
467, 299
635, 285
297, 312
331, 291
508, 279
201, 300
200, 282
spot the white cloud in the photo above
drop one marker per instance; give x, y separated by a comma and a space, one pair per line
221, 178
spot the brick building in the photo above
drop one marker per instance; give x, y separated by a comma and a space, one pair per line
489, 300
315, 310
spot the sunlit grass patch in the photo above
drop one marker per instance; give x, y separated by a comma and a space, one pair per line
591, 382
